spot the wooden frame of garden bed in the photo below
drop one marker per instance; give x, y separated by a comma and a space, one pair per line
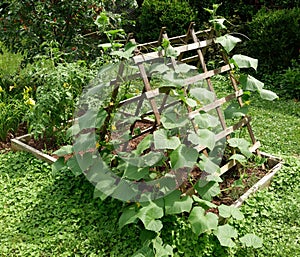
19, 144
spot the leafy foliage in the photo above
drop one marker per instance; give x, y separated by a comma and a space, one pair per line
175, 15
274, 32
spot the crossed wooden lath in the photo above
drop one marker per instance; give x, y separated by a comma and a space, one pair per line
190, 47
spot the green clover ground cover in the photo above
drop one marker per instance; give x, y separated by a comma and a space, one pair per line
42, 214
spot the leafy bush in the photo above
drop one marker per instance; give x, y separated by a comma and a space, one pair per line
25, 25
11, 114
275, 38
155, 14
56, 95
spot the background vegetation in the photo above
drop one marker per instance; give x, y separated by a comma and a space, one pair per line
50, 50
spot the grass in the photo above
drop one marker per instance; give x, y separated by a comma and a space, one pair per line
45, 214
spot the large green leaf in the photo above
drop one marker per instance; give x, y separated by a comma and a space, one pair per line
205, 121
149, 215
184, 68
268, 95
203, 203
244, 61
225, 234
172, 120
250, 83
207, 189
175, 204
234, 110
183, 156
204, 138
129, 215
72, 163
251, 240
58, 164
135, 173
93, 118
162, 141
144, 144
242, 144
202, 222
207, 165
203, 95
161, 249
228, 42
64, 150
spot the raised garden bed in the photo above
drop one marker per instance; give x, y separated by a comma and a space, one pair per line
262, 178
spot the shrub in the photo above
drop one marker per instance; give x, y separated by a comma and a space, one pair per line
155, 14
275, 38
56, 95
25, 25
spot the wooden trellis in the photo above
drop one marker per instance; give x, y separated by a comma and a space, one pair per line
190, 47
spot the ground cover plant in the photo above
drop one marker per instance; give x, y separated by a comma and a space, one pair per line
60, 210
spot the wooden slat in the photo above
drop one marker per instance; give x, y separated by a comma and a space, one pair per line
180, 49
227, 131
215, 104
206, 75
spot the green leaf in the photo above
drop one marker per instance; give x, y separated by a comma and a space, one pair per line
162, 141
268, 95
159, 67
129, 215
251, 240
234, 110
204, 138
228, 211
238, 157
183, 156
250, 83
207, 165
92, 119
191, 102
203, 203
64, 150
225, 234
203, 95
184, 68
135, 173
74, 166
175, 204
202, 222
205, 121
228, 42
207, 189
152, 158
244, 61
161, 249
58, 165
149, 215
242, 144
144, 144
172, 120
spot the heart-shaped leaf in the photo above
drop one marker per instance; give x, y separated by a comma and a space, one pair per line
183, 156
175, 204
244, 61
228, 42
202, 222
162, 141
149, 215
251, 240
225, 234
